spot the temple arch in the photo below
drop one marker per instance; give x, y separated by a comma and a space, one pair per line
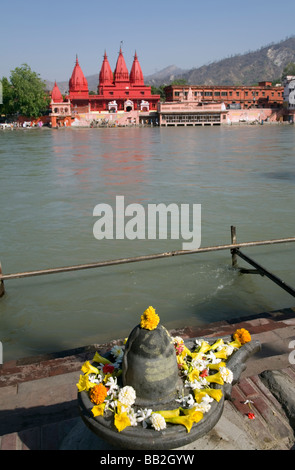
128, 106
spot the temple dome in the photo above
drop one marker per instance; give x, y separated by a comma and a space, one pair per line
136, 75
78, 82
56, 95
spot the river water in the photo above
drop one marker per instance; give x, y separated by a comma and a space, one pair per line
50, 182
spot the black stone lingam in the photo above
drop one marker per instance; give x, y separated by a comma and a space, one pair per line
150, 367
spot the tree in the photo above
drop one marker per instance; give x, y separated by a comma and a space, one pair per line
179, 81
289, 70
28, 95
6, 105
158, 91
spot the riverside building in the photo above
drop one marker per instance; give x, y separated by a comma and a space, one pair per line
122, 97
196, 105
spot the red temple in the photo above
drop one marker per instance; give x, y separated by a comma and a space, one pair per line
117, 92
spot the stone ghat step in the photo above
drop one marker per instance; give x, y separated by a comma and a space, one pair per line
48, 365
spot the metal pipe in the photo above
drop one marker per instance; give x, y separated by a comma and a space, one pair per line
265, 272
101, 264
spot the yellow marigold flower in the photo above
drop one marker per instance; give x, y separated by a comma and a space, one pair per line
121, 421
149, 319
98, 394
242, 335
98, 410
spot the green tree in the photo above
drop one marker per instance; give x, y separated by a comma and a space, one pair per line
158, 91
28, 95
179, 81
289, 70
6, 106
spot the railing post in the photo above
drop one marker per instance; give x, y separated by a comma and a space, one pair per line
234, 258
2, 288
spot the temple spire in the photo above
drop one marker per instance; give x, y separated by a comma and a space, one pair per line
56, 95
106, 74
136, 75
121, 71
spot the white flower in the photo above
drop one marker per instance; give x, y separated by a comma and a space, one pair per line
112, 384
228, 348
111, 405
142, 416
199, 364
186, 401
177, 339
95, 379
132, 416
226, 374
212, 358
204, 407
117, 351
200, 383
127, 396
158, 421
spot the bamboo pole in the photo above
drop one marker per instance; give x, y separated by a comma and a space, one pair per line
101, 264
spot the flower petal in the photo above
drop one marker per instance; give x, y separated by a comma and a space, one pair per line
169, 413
88, 368
186, 421
100, 360
98, 410
121, 421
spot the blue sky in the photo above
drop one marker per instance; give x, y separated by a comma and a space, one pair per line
189, 33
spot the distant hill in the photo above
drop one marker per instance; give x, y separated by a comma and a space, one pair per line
266, 63
64, 86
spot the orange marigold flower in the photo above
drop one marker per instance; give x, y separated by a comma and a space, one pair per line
98, 393
149, 319
242, 335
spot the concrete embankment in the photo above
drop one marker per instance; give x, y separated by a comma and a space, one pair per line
38, 395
